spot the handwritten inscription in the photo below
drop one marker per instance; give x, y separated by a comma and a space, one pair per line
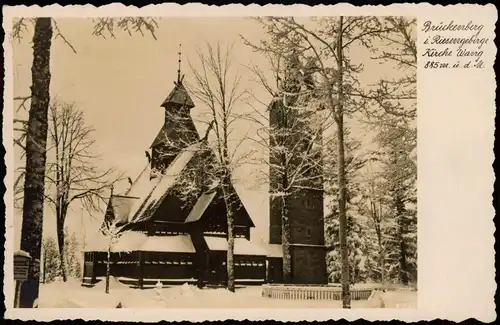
453, 45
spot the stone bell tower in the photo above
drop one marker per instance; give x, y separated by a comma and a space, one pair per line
305, 204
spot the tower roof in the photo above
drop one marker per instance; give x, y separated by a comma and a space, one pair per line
179, 96
186, 134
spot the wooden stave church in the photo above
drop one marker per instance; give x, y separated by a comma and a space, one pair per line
154, 217
197, 235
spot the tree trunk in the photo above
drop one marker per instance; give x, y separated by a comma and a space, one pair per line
230, 235
286, 236
381, 260
285, 241
346, 295
44, 267
62, 256
377, 217
36, 143
108, 261
381, 245
230, 251
403, 265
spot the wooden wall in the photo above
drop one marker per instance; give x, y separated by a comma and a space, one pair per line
165, 265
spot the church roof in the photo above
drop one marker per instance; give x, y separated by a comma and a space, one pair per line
143, 199
131, 241
146, 194
164, 182
136, 241
242, 246
200, 206
176, 243
179, 96
274, 250
188, 134
121, 206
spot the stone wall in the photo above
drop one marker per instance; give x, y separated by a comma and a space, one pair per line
309, 265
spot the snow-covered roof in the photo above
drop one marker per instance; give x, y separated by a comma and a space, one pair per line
200, 206
22, 253
129, 241
274, 250
142, 200
164, 184
121, 206
146, 194
136, 241
141, 188
242, 246
176, 243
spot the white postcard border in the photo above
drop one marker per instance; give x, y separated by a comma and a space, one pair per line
455, 179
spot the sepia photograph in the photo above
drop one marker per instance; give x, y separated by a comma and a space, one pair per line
215, 162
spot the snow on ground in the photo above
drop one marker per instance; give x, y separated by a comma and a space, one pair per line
72, 295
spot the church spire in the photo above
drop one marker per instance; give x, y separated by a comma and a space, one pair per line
179, 95
180, 60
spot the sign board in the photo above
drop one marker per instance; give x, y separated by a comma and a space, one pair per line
21, 265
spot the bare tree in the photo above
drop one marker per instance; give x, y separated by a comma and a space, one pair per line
217, 87
72, 172
36, 135
394, 99
289, 137
108, 25
112, 233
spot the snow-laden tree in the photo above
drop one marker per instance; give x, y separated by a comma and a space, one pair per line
50, 260
360, 259
289, 136
35, 148
36, 126
112, 232
372, 206
398, 182
72, 253
391, 112
215, 84
330, 42
395, 97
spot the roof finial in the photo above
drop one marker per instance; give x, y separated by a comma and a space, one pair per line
179, 69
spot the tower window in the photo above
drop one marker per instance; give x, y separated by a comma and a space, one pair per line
309, 232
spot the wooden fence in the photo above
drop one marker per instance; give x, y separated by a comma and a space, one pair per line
311, 292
